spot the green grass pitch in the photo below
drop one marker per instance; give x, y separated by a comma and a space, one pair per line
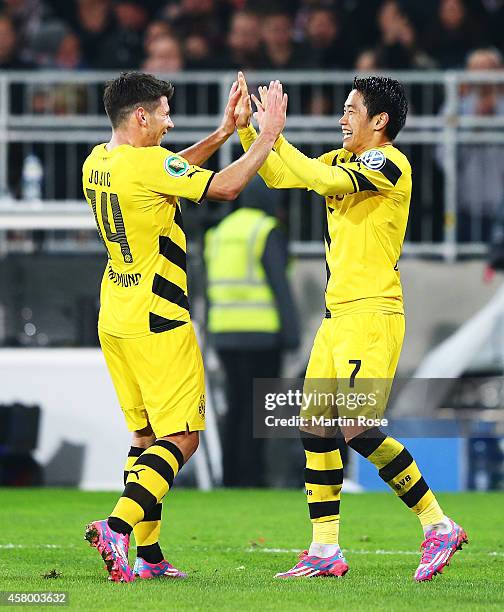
231, 542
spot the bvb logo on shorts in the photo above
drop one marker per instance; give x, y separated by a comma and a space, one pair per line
201, 406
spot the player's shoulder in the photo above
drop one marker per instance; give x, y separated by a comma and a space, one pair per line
159, 158
386, 156
389, 162
150, 153
398, 157
96, 152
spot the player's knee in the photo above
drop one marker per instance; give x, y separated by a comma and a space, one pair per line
143, 438
355, 437
317, 431
193, 443
187, 442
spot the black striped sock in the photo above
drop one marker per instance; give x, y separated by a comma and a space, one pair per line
396, 467
323, 477
146, 532
148, 481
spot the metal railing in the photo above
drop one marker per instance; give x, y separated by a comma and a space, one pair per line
59, 117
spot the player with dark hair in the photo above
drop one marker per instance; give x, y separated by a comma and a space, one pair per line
367, 186
132, 185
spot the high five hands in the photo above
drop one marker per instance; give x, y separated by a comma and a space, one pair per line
243, 110
271, 108
228, 120
260, 104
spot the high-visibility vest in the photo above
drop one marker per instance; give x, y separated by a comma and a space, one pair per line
240, 299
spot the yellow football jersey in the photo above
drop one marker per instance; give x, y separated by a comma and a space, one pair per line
133, 193
367, 205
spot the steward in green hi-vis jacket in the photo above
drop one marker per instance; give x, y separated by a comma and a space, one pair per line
252, 318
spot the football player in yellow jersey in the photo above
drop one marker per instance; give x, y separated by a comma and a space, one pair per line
132, 185
367, 189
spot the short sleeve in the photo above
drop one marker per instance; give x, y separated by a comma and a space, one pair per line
168, 173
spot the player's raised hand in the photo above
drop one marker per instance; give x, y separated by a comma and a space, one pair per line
274, 116
228, 121
260, 104
243, 110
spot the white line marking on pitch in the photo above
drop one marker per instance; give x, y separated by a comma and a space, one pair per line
363, 552
271, 550
35, 546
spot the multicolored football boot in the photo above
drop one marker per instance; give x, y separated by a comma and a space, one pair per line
310, 566
163, 569
113, 548
438, 549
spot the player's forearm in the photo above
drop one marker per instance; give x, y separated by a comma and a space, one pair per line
198, 153
270, 170
273, 172
323, 179
230, 182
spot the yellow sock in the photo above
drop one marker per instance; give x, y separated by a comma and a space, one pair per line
146, 532
323, 477
327, 532
432, 514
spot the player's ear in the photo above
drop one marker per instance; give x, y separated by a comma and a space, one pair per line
141, 116
381, 121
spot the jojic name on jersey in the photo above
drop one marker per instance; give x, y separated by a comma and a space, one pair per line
99, 177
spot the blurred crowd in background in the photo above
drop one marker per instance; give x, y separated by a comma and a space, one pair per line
171, 36
175, 35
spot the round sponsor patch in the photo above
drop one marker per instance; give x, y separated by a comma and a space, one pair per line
374, 159
176, 166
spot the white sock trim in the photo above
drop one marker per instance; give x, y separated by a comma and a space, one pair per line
443, 527
323, 550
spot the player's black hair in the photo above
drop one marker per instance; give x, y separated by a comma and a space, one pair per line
384, 95
130, 90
